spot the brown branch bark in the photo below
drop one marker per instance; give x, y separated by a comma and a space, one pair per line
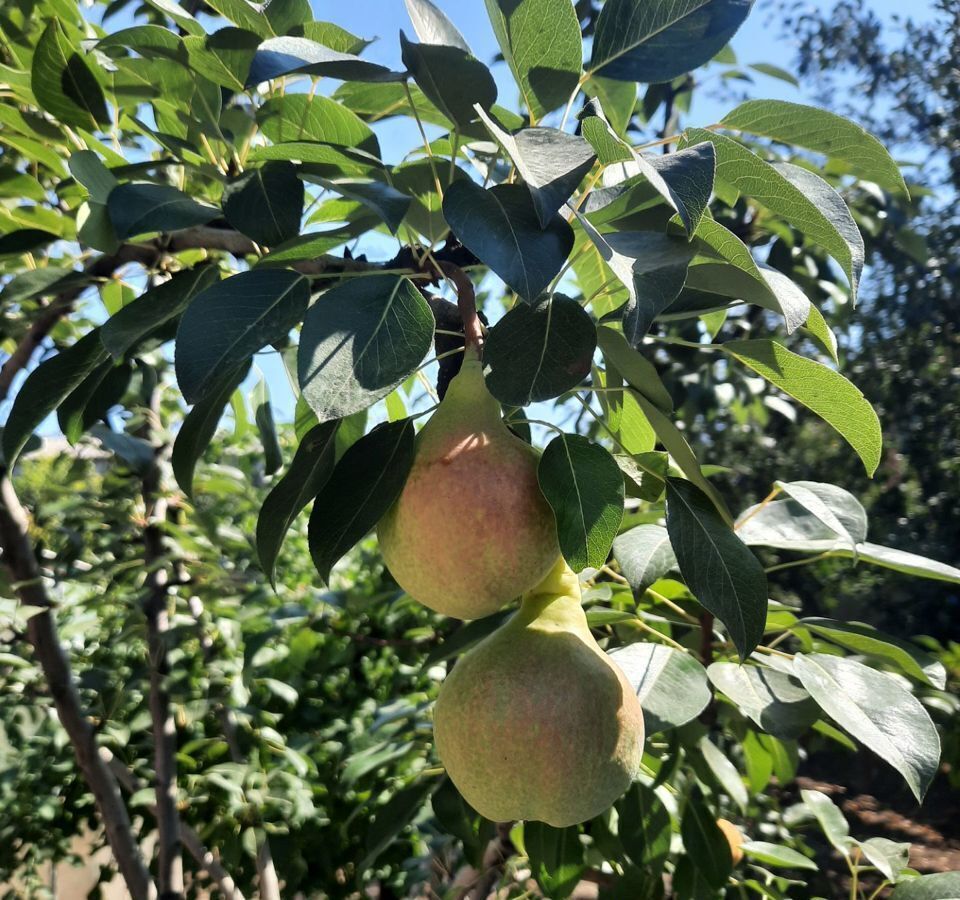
207, 860
19, 558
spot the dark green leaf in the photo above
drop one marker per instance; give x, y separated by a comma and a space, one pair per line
263, 416
452, 79
822, 390
227, 323
62, 81
538, 352
150, 41
137, 322
671, 685
644, 555
656, 40
25, 239
502, 228
717, 566
395, 815
876, 710
265, 203
138, 208
297, 55
542, 45
223, 57
309, 471
771, 698
819, 130
387, 202
361, 489
416, 180
552, 163
705, 844
583, 485
556, 857
46, 387
90, 401
200, 425
645, 829
359, 341
635, 368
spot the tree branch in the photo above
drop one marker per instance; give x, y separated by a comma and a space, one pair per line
19, 558
191, 840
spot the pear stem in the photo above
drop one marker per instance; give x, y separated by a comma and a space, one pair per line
467, 304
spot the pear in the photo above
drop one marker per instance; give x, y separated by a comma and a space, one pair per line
536, 721
471, 530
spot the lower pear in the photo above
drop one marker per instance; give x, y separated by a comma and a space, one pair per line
471, 530
536, 722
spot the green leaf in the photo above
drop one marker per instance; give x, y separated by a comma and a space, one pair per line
455, 81
829, 818
46, 387
362, 487
865, 639
137, 322
308, 472
395, 815
645, 827
810, 499
583, 485
432, 25
644, 555
542, 45
635, 368
671, 685
724, 773
223, 57
387, 202
805, 200
552, 163
326, 158
720, 570
908, 563
300, 117
777, 856
556, 857
62, 81
655, 41
890, 857
618, 99
243, 13
265, 203
90, 401
676, 445
818, 130
359, 341
942, 886
876, 710
136, 209
150, 41
704, 842
771, 698
539, 352
200, 425
651, 266
502, 228
301, 56
227, 323
87, 168
822, 390
263, 416
775, 72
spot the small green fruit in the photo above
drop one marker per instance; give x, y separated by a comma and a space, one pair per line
471, 530
536, 722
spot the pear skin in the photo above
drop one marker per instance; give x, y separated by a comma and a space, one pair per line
471, 530
537, 722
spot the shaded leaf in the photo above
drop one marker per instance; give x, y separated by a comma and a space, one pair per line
362, 487
644, 555
538, 352
139, 208
704, 842
62, 81
584, 487
645, 827
720, 570
265, 203
359, 341
299, 55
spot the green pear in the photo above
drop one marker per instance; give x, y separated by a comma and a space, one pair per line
471, 530
536, 722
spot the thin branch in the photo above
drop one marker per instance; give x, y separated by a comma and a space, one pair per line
191, 840
18, 556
